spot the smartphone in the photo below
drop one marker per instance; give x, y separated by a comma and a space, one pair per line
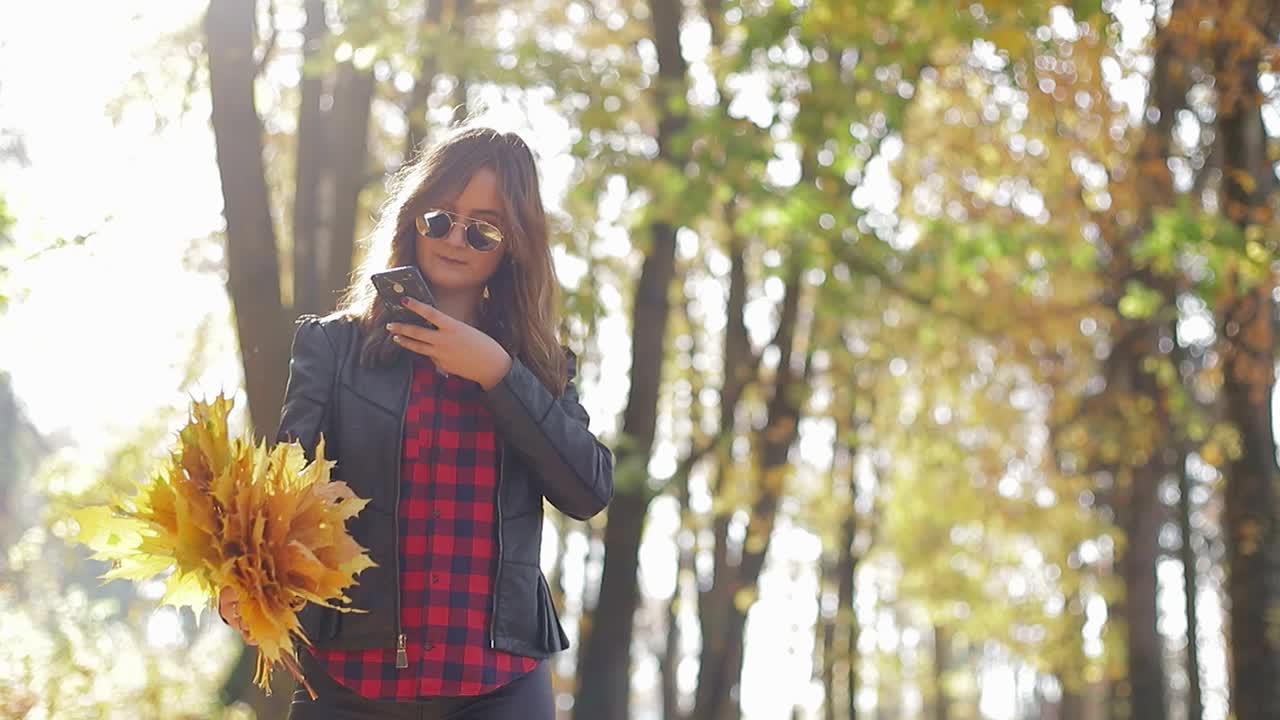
403, 281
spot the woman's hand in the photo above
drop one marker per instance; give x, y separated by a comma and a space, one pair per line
229, 609
455, 347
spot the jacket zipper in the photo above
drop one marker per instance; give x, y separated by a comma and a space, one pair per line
497, 574
402, 655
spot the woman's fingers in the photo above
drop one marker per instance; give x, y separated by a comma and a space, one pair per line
229, 609
415, 345
225, 599
237, 622
415, 332
427, 312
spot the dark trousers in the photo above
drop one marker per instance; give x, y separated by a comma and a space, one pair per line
528, 697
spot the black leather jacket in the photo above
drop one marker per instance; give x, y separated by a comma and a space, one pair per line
544, 450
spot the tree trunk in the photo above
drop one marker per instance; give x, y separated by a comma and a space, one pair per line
22, 447
825, 641
441, 16
12, 466
1145, 514
605, 663
415, 107
309, 208
738, 366
461, 82
670, 663
590, 591
1248, 343
1071, 706
721, 660
836, 637
332, 146
1250, 530
1187, 555
253, 271
346, 175
941, 663
714, 605
846, 567
1190, 585
686, 539
734, 588
1140, 512
1141, 693
604, 667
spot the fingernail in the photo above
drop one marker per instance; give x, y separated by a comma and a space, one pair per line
389, 326
395, 338
404, 301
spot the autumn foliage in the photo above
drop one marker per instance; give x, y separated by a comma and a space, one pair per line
223, 511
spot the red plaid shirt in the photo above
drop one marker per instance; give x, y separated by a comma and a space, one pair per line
448, 497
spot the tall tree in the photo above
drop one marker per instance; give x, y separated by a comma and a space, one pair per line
415, 106
253, 272
1188, 538
1248, 341
1190, 587
605, 678
333, 128
724, 606
837, 633
331, 165
1133, 385
940, 696
22, 447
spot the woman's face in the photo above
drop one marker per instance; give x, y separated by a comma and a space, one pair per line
449, 263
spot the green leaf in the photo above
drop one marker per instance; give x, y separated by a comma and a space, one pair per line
1140, 301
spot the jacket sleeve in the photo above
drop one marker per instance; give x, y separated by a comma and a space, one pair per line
309, 390
575, 468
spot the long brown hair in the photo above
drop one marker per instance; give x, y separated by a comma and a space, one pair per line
521, 312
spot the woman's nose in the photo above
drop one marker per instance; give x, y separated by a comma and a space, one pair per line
457, 236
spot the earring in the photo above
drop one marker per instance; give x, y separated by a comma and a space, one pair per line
485, 294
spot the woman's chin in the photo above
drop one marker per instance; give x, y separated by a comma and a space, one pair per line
450, 282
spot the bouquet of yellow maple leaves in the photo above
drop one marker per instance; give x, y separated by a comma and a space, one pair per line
221, 511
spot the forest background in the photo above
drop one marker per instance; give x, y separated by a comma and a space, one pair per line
936, 340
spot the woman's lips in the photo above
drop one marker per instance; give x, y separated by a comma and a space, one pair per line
451, 261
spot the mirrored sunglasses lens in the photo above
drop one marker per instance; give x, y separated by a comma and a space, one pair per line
437, 224
483, 237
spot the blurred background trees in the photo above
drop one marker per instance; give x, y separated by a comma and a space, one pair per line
936, 342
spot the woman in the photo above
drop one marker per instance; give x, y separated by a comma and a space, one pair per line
455, 435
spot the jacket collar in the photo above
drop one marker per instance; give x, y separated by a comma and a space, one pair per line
387, 386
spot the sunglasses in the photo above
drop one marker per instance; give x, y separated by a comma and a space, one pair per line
480, 235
